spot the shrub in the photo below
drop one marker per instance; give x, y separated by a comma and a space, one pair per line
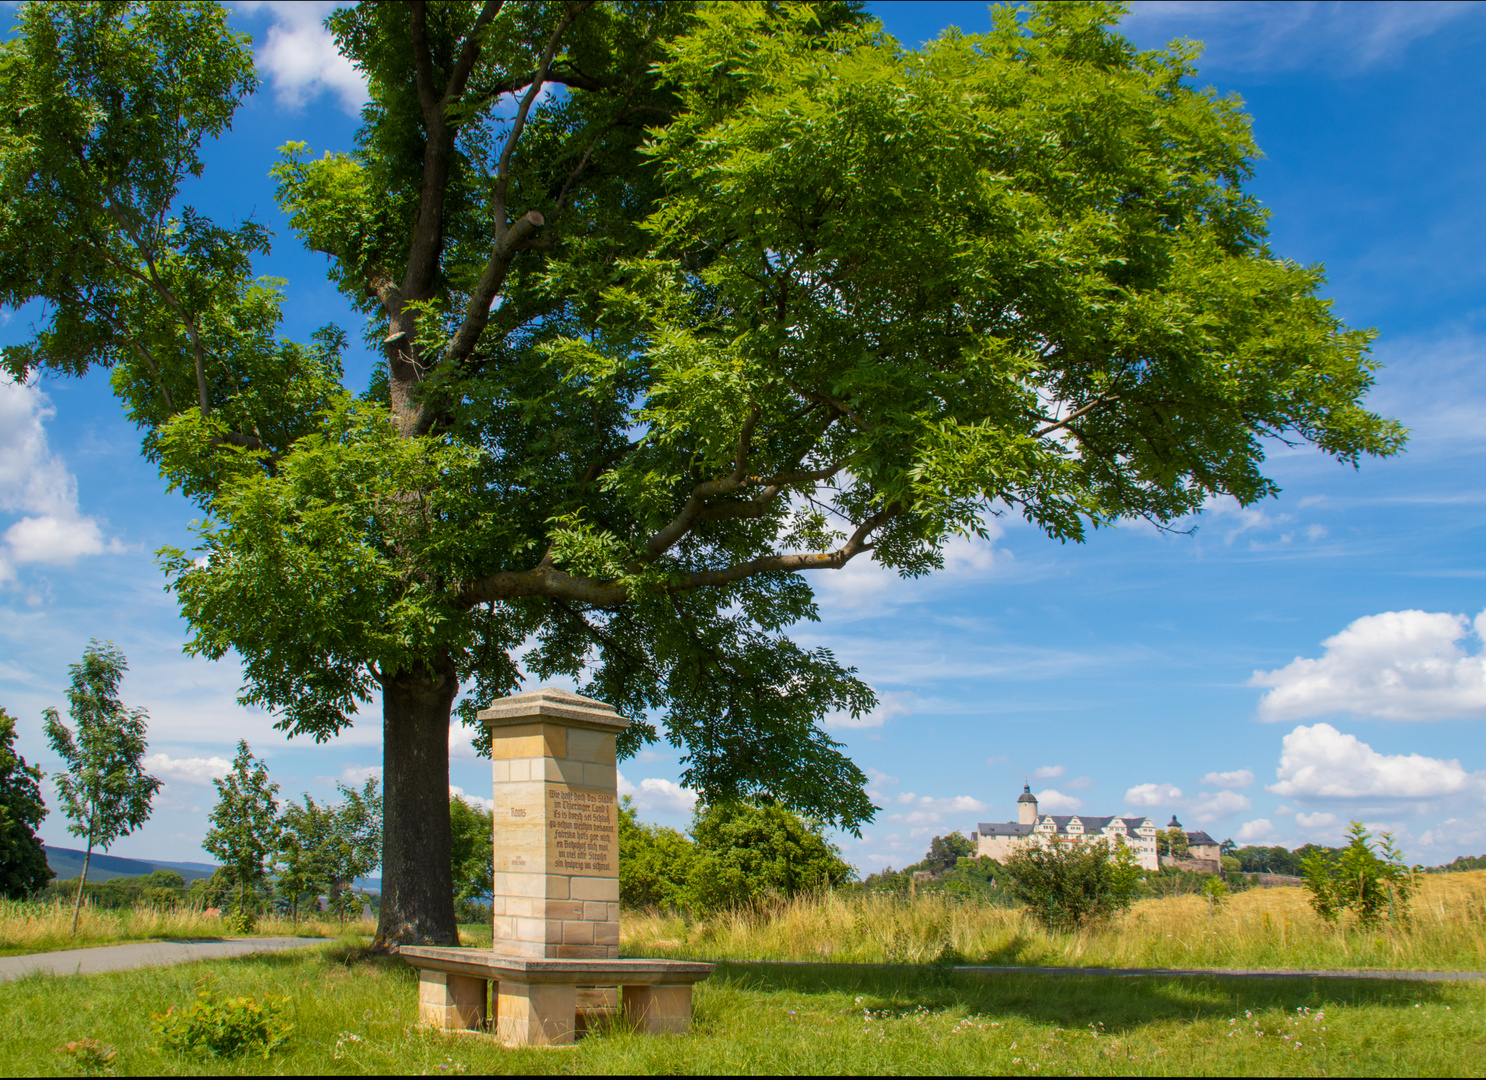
746, 852
654, 863
1065, 886
225, 1027
1360, 880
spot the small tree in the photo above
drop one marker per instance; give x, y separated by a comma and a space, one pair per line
105, 791
1361, 880
245, 824
301, 860
472, 852
23, 868
356, 845
945, 853
1066, 885
1172, 842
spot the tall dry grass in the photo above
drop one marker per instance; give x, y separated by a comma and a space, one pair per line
30, 926
1259, 928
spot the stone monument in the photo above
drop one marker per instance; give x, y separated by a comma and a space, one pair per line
556, 888
555, 945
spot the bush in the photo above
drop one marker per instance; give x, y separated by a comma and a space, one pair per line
1065, 886
1360, 880
740, 852
225, 1027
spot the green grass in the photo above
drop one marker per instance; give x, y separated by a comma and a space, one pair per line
38, 927
357, 1014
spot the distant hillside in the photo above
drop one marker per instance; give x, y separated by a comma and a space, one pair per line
68, 863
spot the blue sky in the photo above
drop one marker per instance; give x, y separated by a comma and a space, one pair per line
1280, 671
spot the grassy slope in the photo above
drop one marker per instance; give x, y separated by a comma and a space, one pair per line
1260, 928
37, 928
357, 1015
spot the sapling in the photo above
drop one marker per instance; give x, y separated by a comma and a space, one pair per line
245, 824
105, 791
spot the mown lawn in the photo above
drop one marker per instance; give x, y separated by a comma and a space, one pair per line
357, 1014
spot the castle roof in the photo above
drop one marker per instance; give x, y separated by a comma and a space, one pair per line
1091, 825
1026, 795
1199, 838
1004, 828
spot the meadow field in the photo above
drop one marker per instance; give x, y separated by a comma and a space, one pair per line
1257, 928
31, 927
353, 1012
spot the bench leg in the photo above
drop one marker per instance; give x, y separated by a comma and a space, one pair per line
596, 1004
659, 1010
451, 1002
536, 1014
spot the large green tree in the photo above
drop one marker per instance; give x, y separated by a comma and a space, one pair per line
23, 868
675, 304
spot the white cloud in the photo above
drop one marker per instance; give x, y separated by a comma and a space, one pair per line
1049, 772
877, 786
1152, 795
1240, 778
889, 705
1256, 832
656, 796
300, 58
1399, 665
1455, 834
36, 483
1267, 36
1053, 801
488, 805
864, 586
1210, 807
1319, 762
1080, 783
926, 811
186, 770
1317, 821
357, 775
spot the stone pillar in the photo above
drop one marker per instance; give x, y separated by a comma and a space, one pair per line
556, 887
451, 1002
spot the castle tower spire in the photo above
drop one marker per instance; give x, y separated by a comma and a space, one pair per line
1026, 806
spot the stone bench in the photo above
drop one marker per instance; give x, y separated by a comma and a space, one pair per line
537, 1000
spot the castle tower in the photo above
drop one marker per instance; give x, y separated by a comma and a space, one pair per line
1026, 806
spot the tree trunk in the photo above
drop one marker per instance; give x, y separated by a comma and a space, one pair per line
82, 879
417, 879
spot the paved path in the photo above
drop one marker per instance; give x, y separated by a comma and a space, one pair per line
144, 954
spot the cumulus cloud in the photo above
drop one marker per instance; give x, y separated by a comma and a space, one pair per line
1080, 783
1316, 822
488, 805
1049, 772
889, 705
1053, 801
1240, 778
1320, 762
864, 586
1455, 833
300, 58
36, 483
656, 796
1209, 807
925, 811
1256, 832
357, 775
1398, 665
186, 770
1152, 795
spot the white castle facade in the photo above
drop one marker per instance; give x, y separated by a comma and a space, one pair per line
999, 839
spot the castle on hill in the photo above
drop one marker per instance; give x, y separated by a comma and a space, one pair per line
999, 839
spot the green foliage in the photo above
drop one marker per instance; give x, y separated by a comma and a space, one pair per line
737, 853
1461, 863
473, 850
324, 847
655, 863
244, 829
1173, 843
1065, 886
747, 852
217, 1027
163, 889
1368, 878
23, 867
105, 791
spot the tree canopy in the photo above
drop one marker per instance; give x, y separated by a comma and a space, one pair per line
23, 868
674, 303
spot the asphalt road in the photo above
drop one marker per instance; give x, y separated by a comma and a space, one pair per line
144, 954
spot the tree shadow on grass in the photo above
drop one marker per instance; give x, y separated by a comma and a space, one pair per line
1119, 1003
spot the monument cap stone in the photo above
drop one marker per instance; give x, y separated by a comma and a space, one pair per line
573, 710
